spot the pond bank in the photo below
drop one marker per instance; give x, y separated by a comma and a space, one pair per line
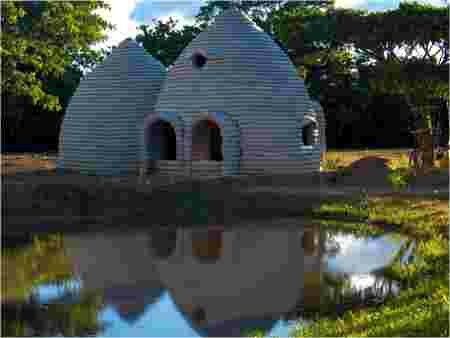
45, 201
422, 308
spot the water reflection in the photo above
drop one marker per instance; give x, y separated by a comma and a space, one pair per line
212, 281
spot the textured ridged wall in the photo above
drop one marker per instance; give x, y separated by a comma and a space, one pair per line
251, 89
320, 116
101, 130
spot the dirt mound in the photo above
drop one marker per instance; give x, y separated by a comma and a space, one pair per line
370, 170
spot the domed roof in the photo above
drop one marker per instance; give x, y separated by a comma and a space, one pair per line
233, 66
100, 128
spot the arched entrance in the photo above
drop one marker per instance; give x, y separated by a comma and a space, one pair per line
161, 141
207, 141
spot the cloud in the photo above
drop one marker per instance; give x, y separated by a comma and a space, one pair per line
181, 10
120, 16
380, 5
147, 10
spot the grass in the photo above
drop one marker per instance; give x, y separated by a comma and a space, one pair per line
422, 309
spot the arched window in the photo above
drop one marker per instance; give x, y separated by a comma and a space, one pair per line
199, 60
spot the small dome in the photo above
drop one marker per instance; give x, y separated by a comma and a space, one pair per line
100, 130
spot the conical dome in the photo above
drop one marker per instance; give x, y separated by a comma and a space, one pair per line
235, 70
100, 131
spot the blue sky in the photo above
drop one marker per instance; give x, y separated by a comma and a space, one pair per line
128, 14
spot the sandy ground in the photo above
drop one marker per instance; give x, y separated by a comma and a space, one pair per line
37, 198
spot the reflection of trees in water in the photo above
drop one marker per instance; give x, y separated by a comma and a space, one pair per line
32, 318
337, 294
42, 262
339, 291
163, 241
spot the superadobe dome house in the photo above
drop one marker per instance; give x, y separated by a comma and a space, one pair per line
231, 104
100, 130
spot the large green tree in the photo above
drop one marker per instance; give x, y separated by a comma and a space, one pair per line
350, 56
40, 39
403, 51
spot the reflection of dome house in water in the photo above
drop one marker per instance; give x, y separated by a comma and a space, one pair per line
251, 280
119, 267
231, 103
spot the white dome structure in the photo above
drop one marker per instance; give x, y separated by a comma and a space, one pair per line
100, 130
234, 104
231, 104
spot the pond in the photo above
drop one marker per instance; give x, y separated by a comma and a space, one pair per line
185, 281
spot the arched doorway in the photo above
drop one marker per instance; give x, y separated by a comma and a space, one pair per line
207, 141
161, 143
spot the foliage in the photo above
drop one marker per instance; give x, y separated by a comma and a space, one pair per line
40, 39
253, 333
416, 216
400, 178
258, 11
350, 57
43, 261
331, 164
422, 311
408, 48
164, 41
79, 318
345, 210
358, 229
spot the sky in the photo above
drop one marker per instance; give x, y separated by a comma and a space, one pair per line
127, 15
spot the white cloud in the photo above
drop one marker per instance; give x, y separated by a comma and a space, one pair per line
182, 20
120, 16
349, 3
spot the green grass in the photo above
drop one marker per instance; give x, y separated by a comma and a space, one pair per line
422, 309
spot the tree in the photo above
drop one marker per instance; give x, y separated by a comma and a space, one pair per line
259, 11
164, 41
349, 56
402, 51
40, 39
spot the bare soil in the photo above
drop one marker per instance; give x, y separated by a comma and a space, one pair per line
38, 198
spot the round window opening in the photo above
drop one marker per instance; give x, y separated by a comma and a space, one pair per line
198, 60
